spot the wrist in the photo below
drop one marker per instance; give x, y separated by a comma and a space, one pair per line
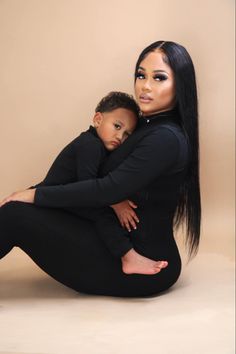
33, 190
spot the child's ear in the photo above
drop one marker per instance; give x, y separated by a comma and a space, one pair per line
97, 119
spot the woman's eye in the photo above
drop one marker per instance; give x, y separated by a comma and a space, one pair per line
139, 76
160, 77
117, 126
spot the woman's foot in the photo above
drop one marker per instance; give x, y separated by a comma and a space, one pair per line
134, 263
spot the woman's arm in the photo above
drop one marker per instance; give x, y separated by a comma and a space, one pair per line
152, 157
26, 196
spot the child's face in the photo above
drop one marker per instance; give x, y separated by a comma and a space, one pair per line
115, 126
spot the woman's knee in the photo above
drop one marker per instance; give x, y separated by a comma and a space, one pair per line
11, 210
5, 208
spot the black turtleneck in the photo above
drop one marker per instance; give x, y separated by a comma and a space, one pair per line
157, 149
160, 117
80, 160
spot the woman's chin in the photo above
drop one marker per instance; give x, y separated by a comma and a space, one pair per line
148, 112
147, 109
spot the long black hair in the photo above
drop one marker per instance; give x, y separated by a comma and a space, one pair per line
189, 206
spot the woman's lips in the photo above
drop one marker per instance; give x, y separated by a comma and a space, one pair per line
145, 99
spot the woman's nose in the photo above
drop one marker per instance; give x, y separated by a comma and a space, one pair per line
146, 85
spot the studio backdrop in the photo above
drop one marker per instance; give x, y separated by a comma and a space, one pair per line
59, 57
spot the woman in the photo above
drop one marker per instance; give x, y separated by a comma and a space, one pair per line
157, 168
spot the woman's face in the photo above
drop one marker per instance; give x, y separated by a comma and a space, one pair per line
154, 85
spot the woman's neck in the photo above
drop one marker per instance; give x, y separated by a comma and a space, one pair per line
161, 113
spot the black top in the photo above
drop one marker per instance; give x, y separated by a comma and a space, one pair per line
143, 167
81, 159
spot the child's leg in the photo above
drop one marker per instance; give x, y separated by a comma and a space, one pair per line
108, 229
118, 242
135, 263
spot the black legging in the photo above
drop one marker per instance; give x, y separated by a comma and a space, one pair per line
76, 257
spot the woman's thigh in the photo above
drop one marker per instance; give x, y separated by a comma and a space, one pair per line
67, 248
62, 244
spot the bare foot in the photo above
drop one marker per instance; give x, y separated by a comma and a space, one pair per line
134, 263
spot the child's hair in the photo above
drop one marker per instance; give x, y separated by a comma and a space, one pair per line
116, 100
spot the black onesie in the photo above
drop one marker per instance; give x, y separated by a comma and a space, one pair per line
80, 160
149, 168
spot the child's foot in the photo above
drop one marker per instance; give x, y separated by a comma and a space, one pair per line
134, 263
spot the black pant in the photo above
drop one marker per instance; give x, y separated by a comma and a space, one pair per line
108, 228
68, 249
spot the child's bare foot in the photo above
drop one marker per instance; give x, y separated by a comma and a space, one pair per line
134, 263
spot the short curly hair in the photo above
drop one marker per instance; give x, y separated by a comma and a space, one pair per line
116, 99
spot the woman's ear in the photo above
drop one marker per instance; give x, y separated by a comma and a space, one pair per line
97, 119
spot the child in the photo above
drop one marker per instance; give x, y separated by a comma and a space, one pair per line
114, 120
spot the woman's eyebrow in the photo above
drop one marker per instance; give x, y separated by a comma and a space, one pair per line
155, 71
159, 71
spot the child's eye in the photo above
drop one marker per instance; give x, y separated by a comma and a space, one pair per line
139, 76
117, 126
160, 77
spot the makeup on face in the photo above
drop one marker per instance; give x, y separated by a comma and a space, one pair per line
154, 84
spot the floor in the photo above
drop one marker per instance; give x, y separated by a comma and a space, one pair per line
40, 316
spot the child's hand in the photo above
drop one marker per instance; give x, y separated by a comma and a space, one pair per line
126, 214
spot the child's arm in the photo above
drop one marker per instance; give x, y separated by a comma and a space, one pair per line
62, 170
78, 161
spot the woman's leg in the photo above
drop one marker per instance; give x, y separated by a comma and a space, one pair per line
60, 243
7, 233
68, 249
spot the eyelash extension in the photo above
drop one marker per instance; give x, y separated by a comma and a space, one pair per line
160, 77
138, 74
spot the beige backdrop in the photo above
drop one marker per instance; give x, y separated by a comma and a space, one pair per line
59, 57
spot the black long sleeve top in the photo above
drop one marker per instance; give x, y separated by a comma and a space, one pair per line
154, 153
81, 159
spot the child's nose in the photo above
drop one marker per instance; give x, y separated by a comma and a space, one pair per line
119, 135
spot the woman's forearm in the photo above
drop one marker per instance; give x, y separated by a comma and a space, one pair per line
26, 196
151, 158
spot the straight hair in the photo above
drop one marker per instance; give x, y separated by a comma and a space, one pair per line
188, 209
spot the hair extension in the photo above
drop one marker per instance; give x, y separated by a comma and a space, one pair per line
189, 206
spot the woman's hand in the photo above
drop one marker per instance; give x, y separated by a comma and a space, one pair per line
126, 214
26, 196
